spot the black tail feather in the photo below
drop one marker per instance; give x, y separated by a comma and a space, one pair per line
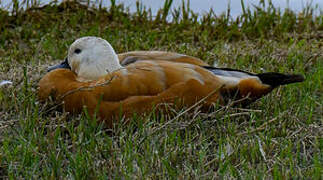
276, 79
270, 78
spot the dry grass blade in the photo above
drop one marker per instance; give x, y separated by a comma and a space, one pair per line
262, 127
87, 88
182, 113
190, 108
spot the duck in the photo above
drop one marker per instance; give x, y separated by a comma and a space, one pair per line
110, 87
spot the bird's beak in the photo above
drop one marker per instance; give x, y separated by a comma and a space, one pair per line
64, 65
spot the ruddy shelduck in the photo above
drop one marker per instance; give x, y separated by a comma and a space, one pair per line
110, 85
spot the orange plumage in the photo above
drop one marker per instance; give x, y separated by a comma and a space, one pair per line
130, 57
143, 83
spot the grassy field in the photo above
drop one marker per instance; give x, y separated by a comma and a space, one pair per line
277, 137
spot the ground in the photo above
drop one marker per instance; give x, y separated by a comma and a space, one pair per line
279, 136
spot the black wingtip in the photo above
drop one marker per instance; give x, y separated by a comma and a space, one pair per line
276, 79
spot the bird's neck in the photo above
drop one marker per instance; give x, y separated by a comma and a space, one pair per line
113, 64
90, 72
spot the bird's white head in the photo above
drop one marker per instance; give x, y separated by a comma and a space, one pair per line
92, 57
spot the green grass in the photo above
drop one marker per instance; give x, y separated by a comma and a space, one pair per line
277, 137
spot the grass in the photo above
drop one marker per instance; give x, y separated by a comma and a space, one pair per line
278, 137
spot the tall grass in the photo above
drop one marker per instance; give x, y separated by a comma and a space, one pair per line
278, 137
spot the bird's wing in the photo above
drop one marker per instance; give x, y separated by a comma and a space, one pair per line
136, 89
133, 56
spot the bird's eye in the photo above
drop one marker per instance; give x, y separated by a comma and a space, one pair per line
77, 51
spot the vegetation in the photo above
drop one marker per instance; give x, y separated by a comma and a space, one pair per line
277, 137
